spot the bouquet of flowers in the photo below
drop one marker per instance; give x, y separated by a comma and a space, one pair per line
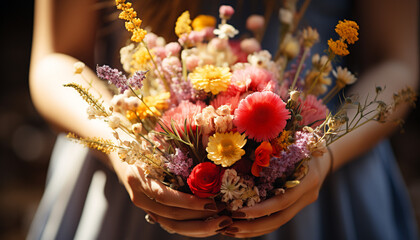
224, 119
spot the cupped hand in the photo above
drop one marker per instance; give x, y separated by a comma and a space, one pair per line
267, 216
175, 211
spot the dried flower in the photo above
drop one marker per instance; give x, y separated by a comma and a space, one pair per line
255, 22
210, 78
232, 188
203, 21
132, 23
182, 25
310, 37
226, 12
348, 31
226, 148
261, 115
262, 158
338, 47
78, 67
225, 31
344, 77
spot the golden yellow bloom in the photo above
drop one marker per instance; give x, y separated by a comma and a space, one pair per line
211, 79
203, 21
348, 31
282, 142
183, 24
155, 104
140, 60
132, 22
338, 47
226, 148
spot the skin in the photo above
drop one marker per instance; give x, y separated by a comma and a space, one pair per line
391, 54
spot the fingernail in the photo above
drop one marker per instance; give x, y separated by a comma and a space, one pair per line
231, 229
225, 223
238, 215
150, 219
210, 206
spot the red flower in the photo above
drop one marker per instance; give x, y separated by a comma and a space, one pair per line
205, 179
261, 115
262, 158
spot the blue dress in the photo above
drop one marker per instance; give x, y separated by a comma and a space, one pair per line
365, 199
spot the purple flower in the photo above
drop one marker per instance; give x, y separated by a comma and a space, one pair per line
179, 163
286, 162
113, 76
136, 81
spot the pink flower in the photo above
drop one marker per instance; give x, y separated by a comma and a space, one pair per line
226, 11
255, 22
261, 115
172, 49
250, 45
185, 110
252, 79
226, 99
313, 110
192, 62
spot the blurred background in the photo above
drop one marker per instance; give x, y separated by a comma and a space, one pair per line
26, 141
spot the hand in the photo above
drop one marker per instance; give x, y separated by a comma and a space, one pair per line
175, 211
272, 213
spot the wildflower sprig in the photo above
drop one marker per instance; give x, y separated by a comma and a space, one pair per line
132, 23
104, 145
89, 98
338, 125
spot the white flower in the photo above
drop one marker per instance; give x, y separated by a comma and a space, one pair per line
126, 54
223, 123
78, 67
286, 16
223, 110
344, 77
260, 59
114, 122
231, 187
225, 31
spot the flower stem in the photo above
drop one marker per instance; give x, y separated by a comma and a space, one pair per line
302, 60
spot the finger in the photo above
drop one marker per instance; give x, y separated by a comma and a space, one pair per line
193, 228
282, 201
171, 197
272, 222
246, 235
145, 203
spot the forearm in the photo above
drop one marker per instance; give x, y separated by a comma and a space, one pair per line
392, 76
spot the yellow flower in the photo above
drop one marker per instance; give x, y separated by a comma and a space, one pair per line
183, 24
154, 103
338, 47
132, 23
140, 60
203, 21
348, 31
226, 148
211, 79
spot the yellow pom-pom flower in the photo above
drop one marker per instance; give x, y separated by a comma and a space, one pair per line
348, 31
211, 79
182, 24
203, 21
338, 47
226, 148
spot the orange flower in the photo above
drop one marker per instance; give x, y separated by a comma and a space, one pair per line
262, 158
338, 47
348, 31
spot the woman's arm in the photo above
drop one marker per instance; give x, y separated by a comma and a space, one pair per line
64, 33
389, 40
